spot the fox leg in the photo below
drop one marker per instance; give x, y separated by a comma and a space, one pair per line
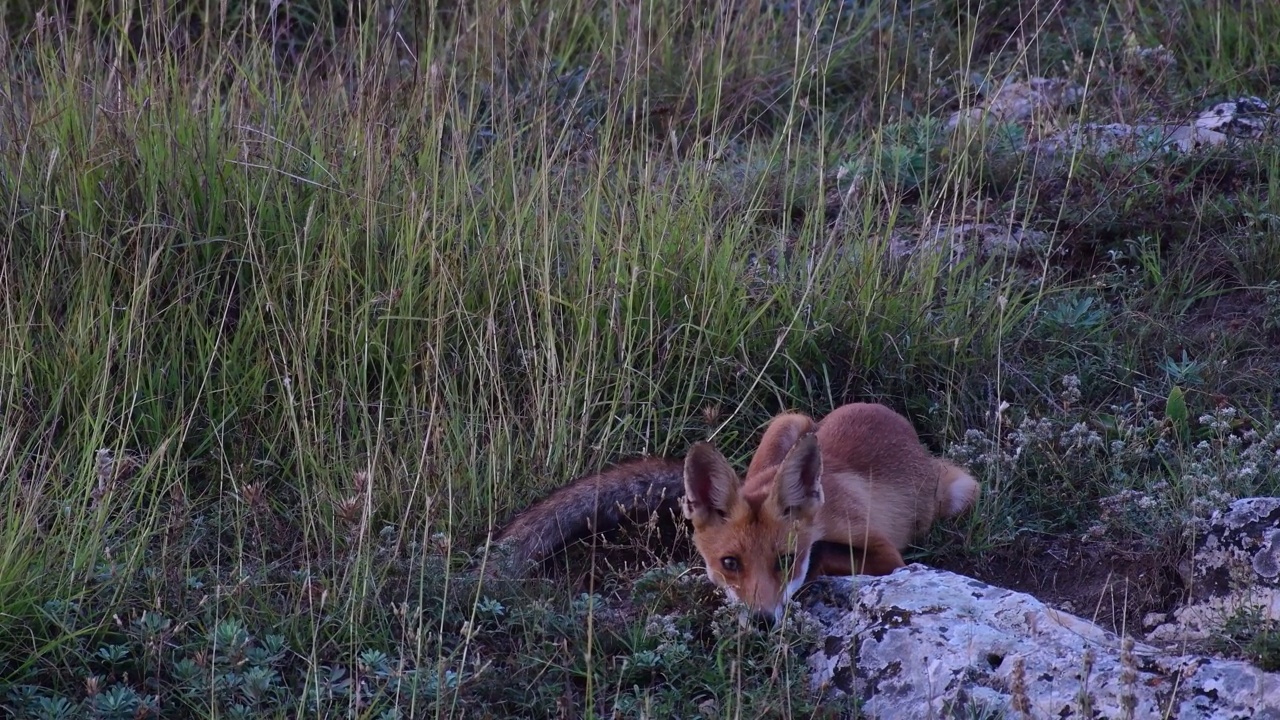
878, 557
828, 558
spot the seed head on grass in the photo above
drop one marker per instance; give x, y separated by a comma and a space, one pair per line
1128, 678
711, 414
105, 474
360, 481
254, 495
1084, 697
1018, 687
349, 509
111, 472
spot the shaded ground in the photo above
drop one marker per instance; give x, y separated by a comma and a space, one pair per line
1113, 584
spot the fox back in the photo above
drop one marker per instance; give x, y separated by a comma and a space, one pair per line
840, 496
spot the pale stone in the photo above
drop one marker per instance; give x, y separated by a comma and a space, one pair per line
1236, 568
928, 643
1020, 101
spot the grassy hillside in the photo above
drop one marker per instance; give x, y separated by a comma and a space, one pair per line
298, 305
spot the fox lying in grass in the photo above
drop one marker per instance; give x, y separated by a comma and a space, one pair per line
842, 496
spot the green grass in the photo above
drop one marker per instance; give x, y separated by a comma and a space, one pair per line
296, 312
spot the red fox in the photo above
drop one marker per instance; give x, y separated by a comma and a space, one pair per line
836, 497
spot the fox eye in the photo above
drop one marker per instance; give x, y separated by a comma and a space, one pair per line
785, 562
730, 563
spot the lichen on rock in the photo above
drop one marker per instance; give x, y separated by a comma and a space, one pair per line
927, 643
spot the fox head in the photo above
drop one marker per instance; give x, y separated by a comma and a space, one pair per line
755, 539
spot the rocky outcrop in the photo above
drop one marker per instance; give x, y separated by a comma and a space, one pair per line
1242, 119
928, 643
1020, 101
1235, 571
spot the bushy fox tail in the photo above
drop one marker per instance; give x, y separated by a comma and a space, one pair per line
957, 490
626, 493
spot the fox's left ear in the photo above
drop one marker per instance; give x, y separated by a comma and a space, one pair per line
710, 485
798, 489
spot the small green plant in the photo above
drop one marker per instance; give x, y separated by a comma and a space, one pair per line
113, 654
902, 155
1247, 633
1175, 411
1184, 372
120, 702
29, 701
1073, 316
1271, 299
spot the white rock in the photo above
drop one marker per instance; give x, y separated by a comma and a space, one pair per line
1236, 567
928, 643
1113, 137
958, 241
1020, 101
1247, 117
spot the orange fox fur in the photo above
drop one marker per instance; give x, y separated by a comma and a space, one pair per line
840, 496
859, 478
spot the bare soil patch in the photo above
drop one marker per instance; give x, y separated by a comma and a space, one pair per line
1112, 583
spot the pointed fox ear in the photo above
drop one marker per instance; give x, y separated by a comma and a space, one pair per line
798, 488
710, 485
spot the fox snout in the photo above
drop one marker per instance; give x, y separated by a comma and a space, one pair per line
763, 584
768, 613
